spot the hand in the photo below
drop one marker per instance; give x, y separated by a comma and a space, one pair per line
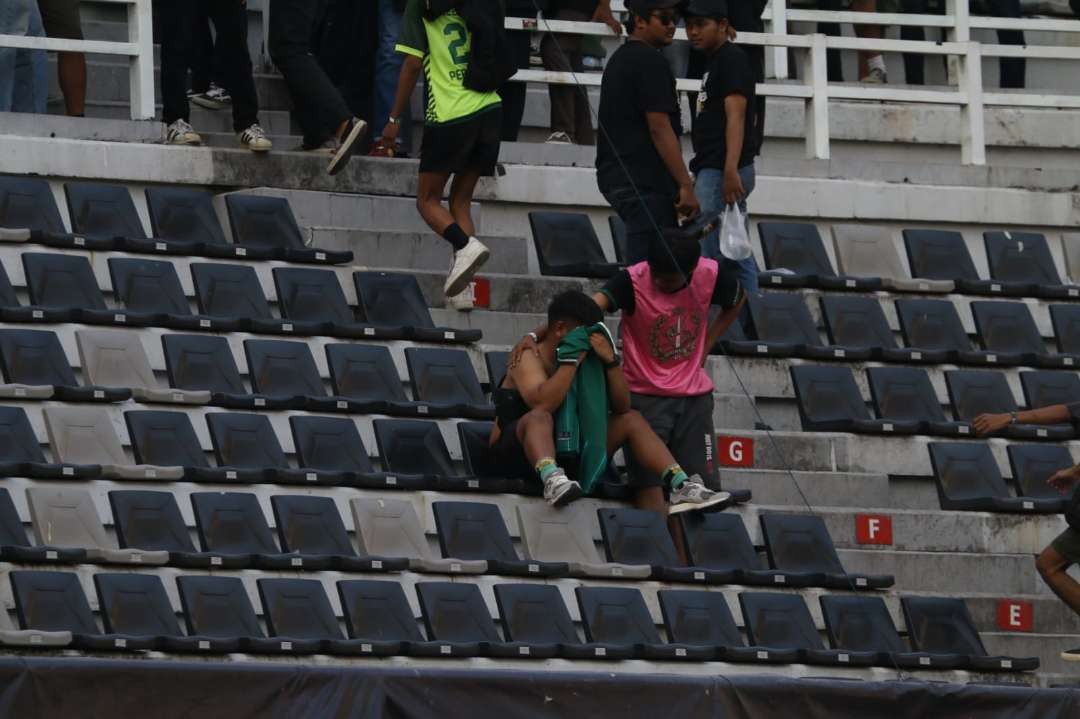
603, 14
732, 189
527, 344
687, 203
731, 33
990, 423
603, 349
1064, 479
390, 133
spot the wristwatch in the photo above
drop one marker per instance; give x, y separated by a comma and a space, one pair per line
1013, 419
613, 363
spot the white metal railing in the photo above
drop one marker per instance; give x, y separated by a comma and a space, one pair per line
139, 49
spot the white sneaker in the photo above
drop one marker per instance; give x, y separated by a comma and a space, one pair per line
349, 144
254, 138
1071, 655
216, 98
466, 262
464, 301
876, 76
692, 495
559, 138
181, 133
560, 490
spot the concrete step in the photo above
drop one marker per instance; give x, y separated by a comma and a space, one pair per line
417, 250
275, 122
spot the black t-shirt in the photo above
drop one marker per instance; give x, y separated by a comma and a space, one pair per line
637, 80
727, 292
729, 73
587, 7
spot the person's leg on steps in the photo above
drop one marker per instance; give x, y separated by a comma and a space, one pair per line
229, 22
178, 22
461, 195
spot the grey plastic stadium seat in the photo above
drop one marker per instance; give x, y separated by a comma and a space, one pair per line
968, 479
116, 358
390, 528
864, 624
27, 209
15, 546
797, 247
1024, 258
1033, 464
699, 618
85, 435
313, 527
869, 251
944, 625
261, 221
21, 455
830, 401
393, 302
783, 621
618, 616
975, 392
567, 245
67, 518
476, 530
565, 535
34, 358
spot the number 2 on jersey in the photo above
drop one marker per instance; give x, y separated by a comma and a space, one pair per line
458, 53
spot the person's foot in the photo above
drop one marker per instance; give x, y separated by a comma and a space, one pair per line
349, 143
559, 138
692, 496
876, 76
216, 98
182, 133
254, 138
464, 301
560, 490
1071, 655
467, 261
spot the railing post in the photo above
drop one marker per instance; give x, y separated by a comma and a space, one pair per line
779, 27
141, 73
973, 139
959, 32
815, 74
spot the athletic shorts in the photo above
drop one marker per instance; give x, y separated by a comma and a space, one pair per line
61, 18
1067, 544
685, 425
471, 144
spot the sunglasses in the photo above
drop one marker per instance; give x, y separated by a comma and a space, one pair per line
666, 18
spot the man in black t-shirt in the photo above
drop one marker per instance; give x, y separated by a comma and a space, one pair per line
639, 164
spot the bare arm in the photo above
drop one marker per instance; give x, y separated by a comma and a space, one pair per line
735, 110
537, 389
1054, 414
410, 73
719, 326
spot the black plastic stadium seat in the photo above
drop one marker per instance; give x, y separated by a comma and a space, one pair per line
185, 221
167, 439
783, 621
260, 221
378, 613
298, 611
16, 547
232, 523
1007, 328
28, 210
704, 619
905, 394
968, 479
1033, 464
65, 285
314, 296
312, 526
618, 237
480, 461
974, 392
151, 287
247, 444
415, 448
1066, 322
1045, 388
496, 362
457, 615
797, 247
855, 323
21, 455
863, 624
1024, 258
286, 370
393, 302
104, 215
444, 379
636, 536
206, 363
34, 359
567, 245
219, 607
232, 293
365, 377
331, 447
476, 530
800, 544
829, 401
933, 327
719, 542
943, 255
784, 328
618, 616
940, 625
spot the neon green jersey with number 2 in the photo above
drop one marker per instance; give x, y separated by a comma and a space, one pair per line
443, 45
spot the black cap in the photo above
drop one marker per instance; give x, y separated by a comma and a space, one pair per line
707, 8
644, 7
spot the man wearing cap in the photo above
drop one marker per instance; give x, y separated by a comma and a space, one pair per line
639, 164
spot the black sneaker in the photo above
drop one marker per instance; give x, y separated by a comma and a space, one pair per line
350, 143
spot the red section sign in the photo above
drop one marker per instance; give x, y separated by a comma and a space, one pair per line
873, 529
481, 292
735, 451
1015, 616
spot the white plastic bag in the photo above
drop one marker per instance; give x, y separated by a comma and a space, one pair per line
734, 241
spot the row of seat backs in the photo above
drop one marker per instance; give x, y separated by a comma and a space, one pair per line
967, 473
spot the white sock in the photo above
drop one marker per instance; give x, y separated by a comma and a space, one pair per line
877, 61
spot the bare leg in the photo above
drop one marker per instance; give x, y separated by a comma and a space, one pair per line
429, 192
71, 69
868, 31
461, 195
1052, 566
536, 432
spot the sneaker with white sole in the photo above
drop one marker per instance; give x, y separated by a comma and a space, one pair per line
466, 262
693, 496
216, 98
560, 490
182, 133
1071, 655
559, 138
876, 76
464, 301
254, 138
349, 143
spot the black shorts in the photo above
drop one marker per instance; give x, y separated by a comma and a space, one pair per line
685, 425
472, 144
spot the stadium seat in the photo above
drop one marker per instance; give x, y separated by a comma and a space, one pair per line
782, 621
719, 542
863, 624
377, 613
261, 221
315, 297
232, 523
618, 616
968, 479
286, 370
974, 392
1008, 329
830, 401
219, 607
365, 377
869, 251
1045, 388
476, 530
456, 615
332, 448
856, 323
535, 614
393, 302
640, 537
785, 328
800, 544
415, 447
186, 221
934, 329
700, 618
55, 602
445, 381
618, 237
167, 439
390, 528
565, 535
1033, 464
28, 210
247, 443
21, 455
496, 362
117, 358
232, 293
151, 287
938, 625
1024, 258
797, 247
11, 310
205, 363
16, 547
85, 436
1066, 322
312, 526
905, 394
298, 611
36, 367
943, 255
480, 460
567, 246
66, 518
104, 215
65, 285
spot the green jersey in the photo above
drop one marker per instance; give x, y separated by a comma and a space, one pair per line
443, 44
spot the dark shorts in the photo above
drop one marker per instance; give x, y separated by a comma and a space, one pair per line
1067, 544
61, 18
685, 425
472, 144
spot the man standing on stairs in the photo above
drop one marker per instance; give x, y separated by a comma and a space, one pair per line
462, 130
